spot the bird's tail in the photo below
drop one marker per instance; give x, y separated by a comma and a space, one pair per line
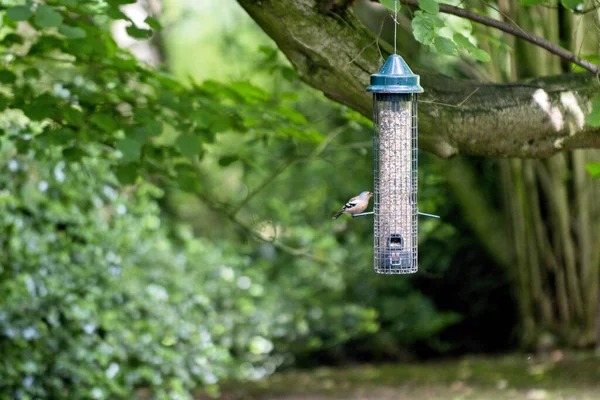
337, 215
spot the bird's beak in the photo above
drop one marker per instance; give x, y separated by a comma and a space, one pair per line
370, 194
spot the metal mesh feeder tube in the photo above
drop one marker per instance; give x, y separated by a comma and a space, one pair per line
395, 146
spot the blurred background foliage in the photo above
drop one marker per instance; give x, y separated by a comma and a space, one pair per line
169, 227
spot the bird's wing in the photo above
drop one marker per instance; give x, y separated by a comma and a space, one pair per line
353, 202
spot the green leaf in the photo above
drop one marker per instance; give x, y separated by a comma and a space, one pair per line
19, 13
130, 149
594, 170
446, 46
227, 160
571, 4
10, 39
120, 2
430, 6
41, 107
390, 4
593, 118
189, 145
31, 73
61, 136
47, 17
116, 13
292, 115
532, 2
72, 32
127, 173
72, 115
104, 121
138, 33
7, 77
154, 128
464, 42
480, 55
593, 58
73, 154
153, 23
425, 27
187, 179
4, 102
249, 92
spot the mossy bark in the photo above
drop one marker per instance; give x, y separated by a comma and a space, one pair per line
334, 52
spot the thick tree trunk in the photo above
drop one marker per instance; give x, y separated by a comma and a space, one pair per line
334, 52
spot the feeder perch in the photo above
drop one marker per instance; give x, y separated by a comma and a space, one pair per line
395, 88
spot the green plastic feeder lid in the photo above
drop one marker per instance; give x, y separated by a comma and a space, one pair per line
395, 77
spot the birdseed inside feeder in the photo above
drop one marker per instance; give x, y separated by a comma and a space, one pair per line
395, 88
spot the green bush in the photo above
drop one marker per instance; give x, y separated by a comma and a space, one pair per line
98, 301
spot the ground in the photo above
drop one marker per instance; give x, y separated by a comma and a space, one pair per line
556, 376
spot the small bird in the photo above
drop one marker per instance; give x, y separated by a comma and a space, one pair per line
355, 205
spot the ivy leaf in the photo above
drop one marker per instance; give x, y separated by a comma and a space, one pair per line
72, 32
429, 6
593, 118
138, 33
389, 4
446, 46
131, 150
19, 13
153, 23
47, 17
189, 145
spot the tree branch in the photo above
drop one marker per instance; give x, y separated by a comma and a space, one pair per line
223, 210
336, 54
515, 31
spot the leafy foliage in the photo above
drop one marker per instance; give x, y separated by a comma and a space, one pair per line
427, 29
103, 294
101, 94
99, 302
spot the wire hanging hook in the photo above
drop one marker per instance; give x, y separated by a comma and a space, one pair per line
395, 23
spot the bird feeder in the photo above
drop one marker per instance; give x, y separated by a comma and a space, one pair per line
395, 88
